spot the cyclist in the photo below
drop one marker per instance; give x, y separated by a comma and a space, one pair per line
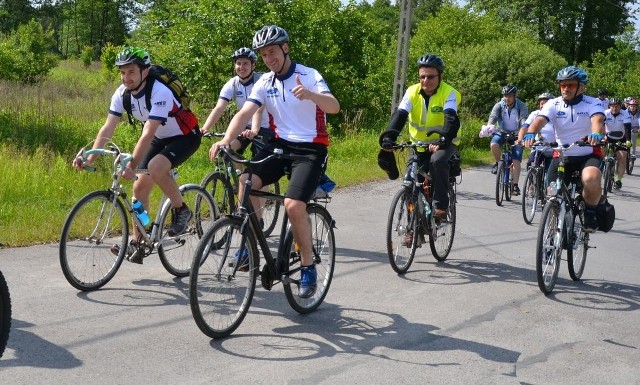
635, 124
161, 146
547, 133
618, 130
239, 88
428, 105
510, 113
603, 96
574, 116
298, 99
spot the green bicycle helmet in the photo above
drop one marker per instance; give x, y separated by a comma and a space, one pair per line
131, 55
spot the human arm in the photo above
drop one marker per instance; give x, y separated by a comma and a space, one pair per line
215, 115
255, 124
390, 135
528, 135
495, 114
142, 147
326, 101
104, 135
236, 126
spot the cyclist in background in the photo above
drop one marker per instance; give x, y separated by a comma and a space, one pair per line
634, 115
239, 88
574, 116
603, 96
618, 130
162, 145
298, 99
546, 134
509, 113
429, 105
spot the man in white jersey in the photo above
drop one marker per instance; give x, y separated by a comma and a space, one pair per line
603, 95
162, 144
634, 115
618, 130
575, 116
298, 99
509, 113
546, 134
239, 88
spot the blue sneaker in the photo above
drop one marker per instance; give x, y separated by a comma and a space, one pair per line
308, 276
242, 259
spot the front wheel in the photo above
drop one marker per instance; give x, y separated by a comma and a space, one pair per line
402, 231
530, 196
93, 240
500, 178
607, 176
578, 244
5, 313
176, 252
442, 233
324, 258
630, 162
549, 247
221, 286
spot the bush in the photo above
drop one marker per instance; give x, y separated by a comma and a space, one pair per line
108, 59
87, 56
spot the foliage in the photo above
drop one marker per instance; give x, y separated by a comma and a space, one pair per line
86, 56
108, 59
26, 54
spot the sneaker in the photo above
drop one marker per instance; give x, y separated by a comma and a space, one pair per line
590, 221
515, 191
132, 254
494, 170
617, 184
308, 276
179, 221
242, 258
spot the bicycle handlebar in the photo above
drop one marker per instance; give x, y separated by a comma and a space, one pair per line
222, 134
122, 158
277, 153
400, 146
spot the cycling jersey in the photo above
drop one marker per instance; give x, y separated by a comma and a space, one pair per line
615, 124
635, 119
234, 88
295, 120
509, 119
572, 122
162, 102
547, 132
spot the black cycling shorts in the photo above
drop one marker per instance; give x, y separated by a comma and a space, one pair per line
573, 163
175, 148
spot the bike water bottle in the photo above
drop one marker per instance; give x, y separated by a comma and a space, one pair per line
427, 207
141, 213
553, 188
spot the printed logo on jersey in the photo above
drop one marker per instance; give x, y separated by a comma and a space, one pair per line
561, 114
272, 92
160, 103
583, 113
436, 109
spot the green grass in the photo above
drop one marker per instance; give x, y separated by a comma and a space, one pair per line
43, 127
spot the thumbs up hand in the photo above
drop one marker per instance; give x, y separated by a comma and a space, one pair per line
299, 91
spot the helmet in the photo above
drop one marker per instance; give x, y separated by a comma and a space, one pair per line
573, 72
613, 101
509, 89
270, 35
602, 91
627, 99
133, 55
431, 60
246, 53
633, 102
545, 95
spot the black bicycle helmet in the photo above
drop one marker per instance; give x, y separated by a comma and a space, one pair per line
573, 72
133, 55
613, 101
546, 96
246, 53
431, 60
509, 89
602, 91
270, 35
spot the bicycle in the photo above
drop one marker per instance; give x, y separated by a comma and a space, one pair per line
504, 178
411, 217
222, 184
561, 227
610, 168
95, 235
5, 313
221, 287
533, 192
631, 157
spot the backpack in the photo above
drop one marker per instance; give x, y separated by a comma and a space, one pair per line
184, 116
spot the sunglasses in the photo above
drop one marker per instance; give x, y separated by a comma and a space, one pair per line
428, 77
570, 86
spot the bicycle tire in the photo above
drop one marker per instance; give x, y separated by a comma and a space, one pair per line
324, 258
630, 164
176, 253
221, 190
85, 252
530, 197
271, 210
548, 248
500, 183
578, 244
401, 224
508, 183
220, 299
442, 234
5, 314
607, 176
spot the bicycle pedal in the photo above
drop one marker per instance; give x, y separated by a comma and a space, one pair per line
288, 280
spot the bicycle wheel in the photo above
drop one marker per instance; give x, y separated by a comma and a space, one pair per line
530, 195
500, 183
5, 313
548, 248
218, 185
176, 253
324, 257
402, 231
270, 210
630, 163
441, 234
607, 177
578, 244
96, 227
218, 296
508, 183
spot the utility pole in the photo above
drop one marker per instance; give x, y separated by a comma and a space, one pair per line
402, 53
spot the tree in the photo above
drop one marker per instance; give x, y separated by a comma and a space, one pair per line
14, 13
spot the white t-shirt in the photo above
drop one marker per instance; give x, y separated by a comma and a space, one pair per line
234, 88
295, 120
162, 102
572, 122
614, 125
547, 132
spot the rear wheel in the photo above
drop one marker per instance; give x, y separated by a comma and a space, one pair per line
548, 248
5, 313
578, 244
500, 183
402, 231
442, 233
218, 185
530, 195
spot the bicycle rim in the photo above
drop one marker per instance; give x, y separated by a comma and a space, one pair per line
530, 196
220, 293
630, 164
96, 227
271, 210
578, 246
219, 187
500, 183
401, 231
441, 234
548, 248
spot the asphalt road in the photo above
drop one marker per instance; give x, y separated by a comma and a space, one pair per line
478, 318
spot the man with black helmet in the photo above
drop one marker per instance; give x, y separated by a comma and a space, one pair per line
162, 144
617, 124
298, 99
509, 114
603, 96
430, 107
